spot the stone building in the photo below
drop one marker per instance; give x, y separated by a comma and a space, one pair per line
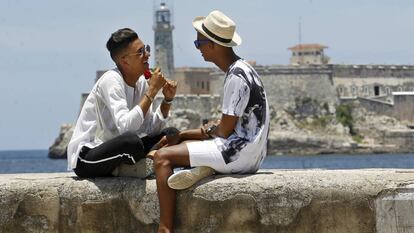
308, 54
194, 80
191, 80
372, 81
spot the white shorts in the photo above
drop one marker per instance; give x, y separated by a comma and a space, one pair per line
206, 153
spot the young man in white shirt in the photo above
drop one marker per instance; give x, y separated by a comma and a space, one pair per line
238, 143
118, 122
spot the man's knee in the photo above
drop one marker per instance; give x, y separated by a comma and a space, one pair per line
131, 140
161, 158
170, 131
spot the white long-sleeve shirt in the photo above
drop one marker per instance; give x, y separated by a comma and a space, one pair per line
110, 110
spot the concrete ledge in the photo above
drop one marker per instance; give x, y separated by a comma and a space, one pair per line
271, 201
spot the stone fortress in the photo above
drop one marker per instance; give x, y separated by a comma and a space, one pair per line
380, 87
304, 97
308, 98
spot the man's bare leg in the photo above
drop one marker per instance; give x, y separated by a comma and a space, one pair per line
165, 160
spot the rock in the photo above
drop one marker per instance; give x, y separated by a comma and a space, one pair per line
142, 169
185, 119
306, 144
58, 149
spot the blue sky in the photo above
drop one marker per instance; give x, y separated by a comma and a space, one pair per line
50, 49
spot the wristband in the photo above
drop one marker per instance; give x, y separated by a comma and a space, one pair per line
167, 101
203, 131
210, 130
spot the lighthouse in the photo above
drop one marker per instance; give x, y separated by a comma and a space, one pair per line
163, 41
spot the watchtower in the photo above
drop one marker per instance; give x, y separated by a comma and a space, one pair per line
308, 54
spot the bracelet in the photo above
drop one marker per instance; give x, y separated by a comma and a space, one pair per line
149, 97
203, 131
210, 130
167, 101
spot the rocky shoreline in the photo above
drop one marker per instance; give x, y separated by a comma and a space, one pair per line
306, 127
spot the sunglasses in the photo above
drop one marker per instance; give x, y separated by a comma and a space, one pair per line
198, 43
141, 52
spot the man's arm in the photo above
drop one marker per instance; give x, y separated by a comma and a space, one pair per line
168, 91
226, 126
156, 82
224, 129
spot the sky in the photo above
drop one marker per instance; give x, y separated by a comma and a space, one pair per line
50, 49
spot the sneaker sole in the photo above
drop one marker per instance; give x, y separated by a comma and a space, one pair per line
187, 178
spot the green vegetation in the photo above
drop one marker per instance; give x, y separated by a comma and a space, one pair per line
306, 100
344, 116
321, 122
326, 107
358, 138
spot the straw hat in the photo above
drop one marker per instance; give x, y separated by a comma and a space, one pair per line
218, 28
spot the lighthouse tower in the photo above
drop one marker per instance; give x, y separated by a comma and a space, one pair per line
163, 41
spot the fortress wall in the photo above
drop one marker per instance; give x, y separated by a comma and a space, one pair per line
378, 107
204, 105
366, 71
285, 88
355, 86
360, 80
285, 83
403, 107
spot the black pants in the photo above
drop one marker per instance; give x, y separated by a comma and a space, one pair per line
127, 148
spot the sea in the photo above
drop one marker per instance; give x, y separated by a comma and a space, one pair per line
37, 161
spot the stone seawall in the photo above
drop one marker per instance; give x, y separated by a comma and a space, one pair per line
282, 201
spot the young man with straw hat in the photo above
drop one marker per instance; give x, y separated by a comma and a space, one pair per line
238, 143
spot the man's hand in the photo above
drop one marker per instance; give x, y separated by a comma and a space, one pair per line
169, 89
210, 123
167, 140
157, 81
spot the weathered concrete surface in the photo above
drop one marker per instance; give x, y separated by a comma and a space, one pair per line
395, 211
271, 201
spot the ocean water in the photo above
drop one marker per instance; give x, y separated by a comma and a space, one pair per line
36, 161
30, 161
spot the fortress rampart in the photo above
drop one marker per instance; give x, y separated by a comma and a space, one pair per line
283, 84
204, 105
369, 71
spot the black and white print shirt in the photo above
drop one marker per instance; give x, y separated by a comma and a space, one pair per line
245, 97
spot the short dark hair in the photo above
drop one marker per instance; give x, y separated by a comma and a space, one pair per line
120, 40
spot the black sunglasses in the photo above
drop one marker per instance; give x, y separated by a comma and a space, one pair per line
198, 43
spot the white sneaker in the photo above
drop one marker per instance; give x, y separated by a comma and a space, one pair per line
186, 178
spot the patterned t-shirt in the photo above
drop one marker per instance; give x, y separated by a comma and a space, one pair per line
245, 97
